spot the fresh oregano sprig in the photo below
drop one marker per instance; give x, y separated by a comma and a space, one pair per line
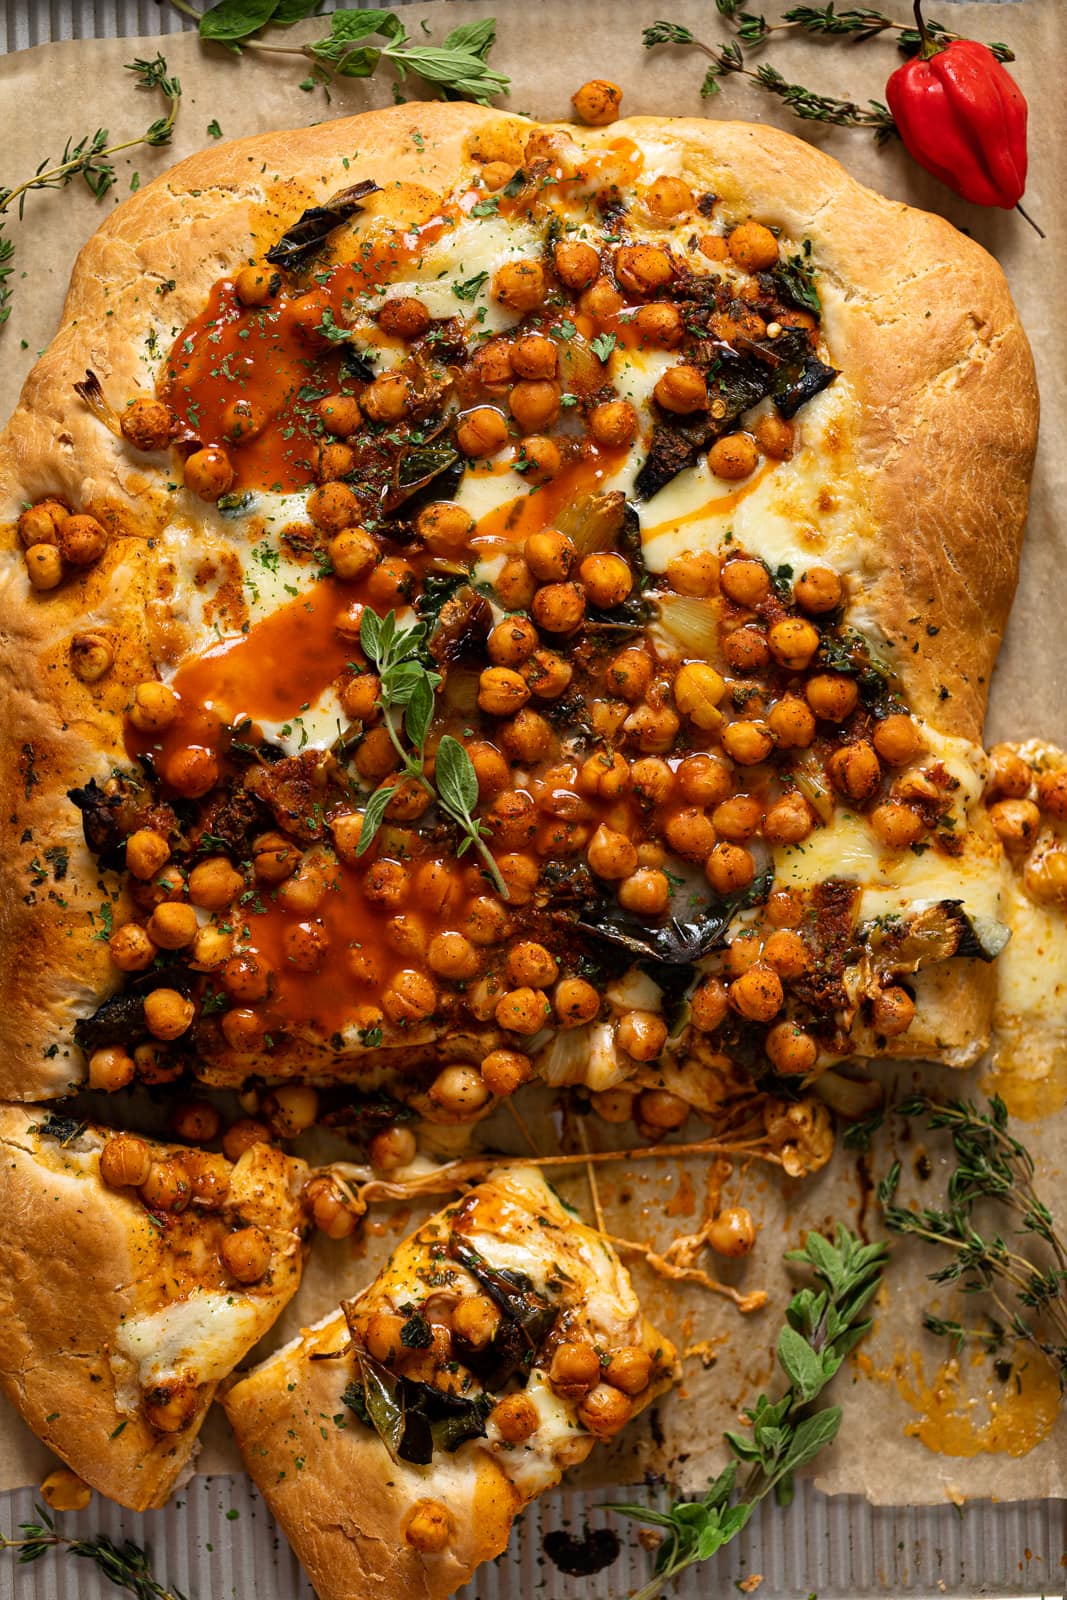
125, 1565
822, 1325
458, 67
90, 159
1028, 1289
408, 684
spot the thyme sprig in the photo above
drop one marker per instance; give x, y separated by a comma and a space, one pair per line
727, 59
125, 1565
89, 158
860, 23
821, 1327
1028, 1290
408, 684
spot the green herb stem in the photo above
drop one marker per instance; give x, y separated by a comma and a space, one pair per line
127, 1566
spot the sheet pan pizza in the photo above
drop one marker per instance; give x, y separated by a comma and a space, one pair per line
488, 604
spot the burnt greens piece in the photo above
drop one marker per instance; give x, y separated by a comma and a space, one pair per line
299, 243
412, 1419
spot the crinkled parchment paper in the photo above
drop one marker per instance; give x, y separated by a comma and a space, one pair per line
549, 48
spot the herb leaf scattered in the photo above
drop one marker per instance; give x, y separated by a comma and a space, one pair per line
125, 1565
822, 1325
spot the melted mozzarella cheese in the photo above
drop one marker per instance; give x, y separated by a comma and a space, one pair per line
205, 1336
475, 246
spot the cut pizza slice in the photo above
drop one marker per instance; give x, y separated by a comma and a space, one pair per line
397, 1440
134, 1276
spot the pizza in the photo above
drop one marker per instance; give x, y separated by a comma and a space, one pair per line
397, 1440
484, 605
134, 1276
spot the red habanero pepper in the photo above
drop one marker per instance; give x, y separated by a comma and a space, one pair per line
963, 118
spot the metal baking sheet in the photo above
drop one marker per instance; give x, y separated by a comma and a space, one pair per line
216, 1541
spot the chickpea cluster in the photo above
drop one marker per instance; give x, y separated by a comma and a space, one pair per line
1026, 798
57, 542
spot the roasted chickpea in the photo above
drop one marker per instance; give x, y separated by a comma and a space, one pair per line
444, 527
855, 771
818, 590
732, 1233
629, 674
897, 740
606, 579
534, 403
704, 780
515, 1418
172, 925
533, 356
130, 948
255, 285
44, 566
502, 691
512, 642
352, 554
605, 1410
776, 439
682, 390
611, 854
753, 247
331, 1215
698, 690
168, 1186
209, 473
575, 1369
404, 317
520, 285
748, 743
63, 1490
375, 755
660, 324
333, 506
388, 398
601, 300
530, 963
515, 584
274, 858
791, 1049
339, 415
496, 174
642, 1034
757, 993
539, 458
652, 728
729, 867
576, 264
246, 1254
793, 641
614, 1106
460, 1091
746, 582
392, 1148
512, 819
892, 1011
734, 456
386, 884
549, 555
896, 825
214, 884
786, 952
1052, 793
653, 780
709, 1005
452, 955
630, 1369
792, 723
547, 674
575, 1002
475, 1320
125, 1161
522, 1010
788, 821
428, 1527
91, 656
246, 977
411, 997
559, 607
1009, 775
167, 1013
482, 432
831, 696
1016, 822
505, 1071
643, 268
40, 524
81, 541
191, 772
613, 424
597, 102
146, 424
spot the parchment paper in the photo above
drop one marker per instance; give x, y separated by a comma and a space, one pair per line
548, 49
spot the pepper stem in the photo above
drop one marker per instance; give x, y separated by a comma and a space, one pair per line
928, 46
1037, 229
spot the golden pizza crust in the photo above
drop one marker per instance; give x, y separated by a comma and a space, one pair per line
918, 316
77, 1261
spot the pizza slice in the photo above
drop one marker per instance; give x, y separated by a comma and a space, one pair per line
134, 1276
397, 1440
